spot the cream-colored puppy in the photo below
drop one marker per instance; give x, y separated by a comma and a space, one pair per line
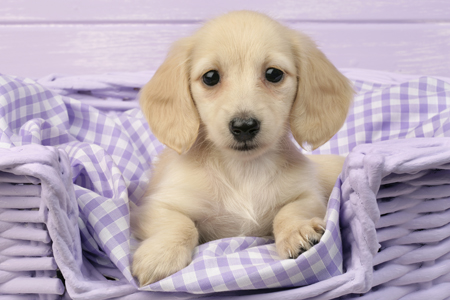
224, 102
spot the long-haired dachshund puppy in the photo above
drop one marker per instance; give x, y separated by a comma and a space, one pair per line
225, 102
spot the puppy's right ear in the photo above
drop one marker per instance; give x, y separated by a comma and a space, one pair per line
323, 98
167, 103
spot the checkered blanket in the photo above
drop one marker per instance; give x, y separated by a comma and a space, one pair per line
110, 155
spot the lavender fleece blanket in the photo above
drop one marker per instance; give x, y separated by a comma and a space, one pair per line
109, 155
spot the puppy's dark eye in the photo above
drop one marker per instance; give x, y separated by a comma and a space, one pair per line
274, 75
211, 78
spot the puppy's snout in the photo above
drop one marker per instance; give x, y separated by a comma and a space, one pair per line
244, 129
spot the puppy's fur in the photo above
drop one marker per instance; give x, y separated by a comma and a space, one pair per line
206, 185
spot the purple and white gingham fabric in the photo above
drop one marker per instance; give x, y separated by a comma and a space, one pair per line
419, 107
110, 155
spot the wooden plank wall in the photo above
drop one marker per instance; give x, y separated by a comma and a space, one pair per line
77, 37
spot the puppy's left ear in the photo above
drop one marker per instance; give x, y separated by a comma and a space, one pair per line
323, 98
167, 103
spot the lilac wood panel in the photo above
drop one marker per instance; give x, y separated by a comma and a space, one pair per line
144, 11
38, 50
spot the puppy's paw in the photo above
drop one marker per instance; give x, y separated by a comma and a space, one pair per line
155, 260
298, 237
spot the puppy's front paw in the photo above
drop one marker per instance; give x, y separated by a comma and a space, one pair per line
298, 237
156, 259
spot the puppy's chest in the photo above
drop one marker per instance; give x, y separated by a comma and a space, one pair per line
243, 206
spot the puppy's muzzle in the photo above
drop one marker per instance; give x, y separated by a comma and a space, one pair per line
244, 130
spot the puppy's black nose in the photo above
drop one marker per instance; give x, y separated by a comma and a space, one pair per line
244, 129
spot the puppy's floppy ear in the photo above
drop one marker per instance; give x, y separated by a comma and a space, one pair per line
323, 98
167, 103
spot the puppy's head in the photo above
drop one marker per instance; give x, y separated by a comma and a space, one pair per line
248, 79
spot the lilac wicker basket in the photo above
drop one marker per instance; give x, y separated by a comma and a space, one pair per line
70, 173
402, 193
29, 177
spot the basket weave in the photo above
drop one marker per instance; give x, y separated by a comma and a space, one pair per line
398, 202
27, 265
413, 223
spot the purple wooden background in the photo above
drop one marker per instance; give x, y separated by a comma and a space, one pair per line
91, 37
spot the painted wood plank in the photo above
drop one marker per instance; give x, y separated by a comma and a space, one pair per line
401, 48
151, 11
38, 50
